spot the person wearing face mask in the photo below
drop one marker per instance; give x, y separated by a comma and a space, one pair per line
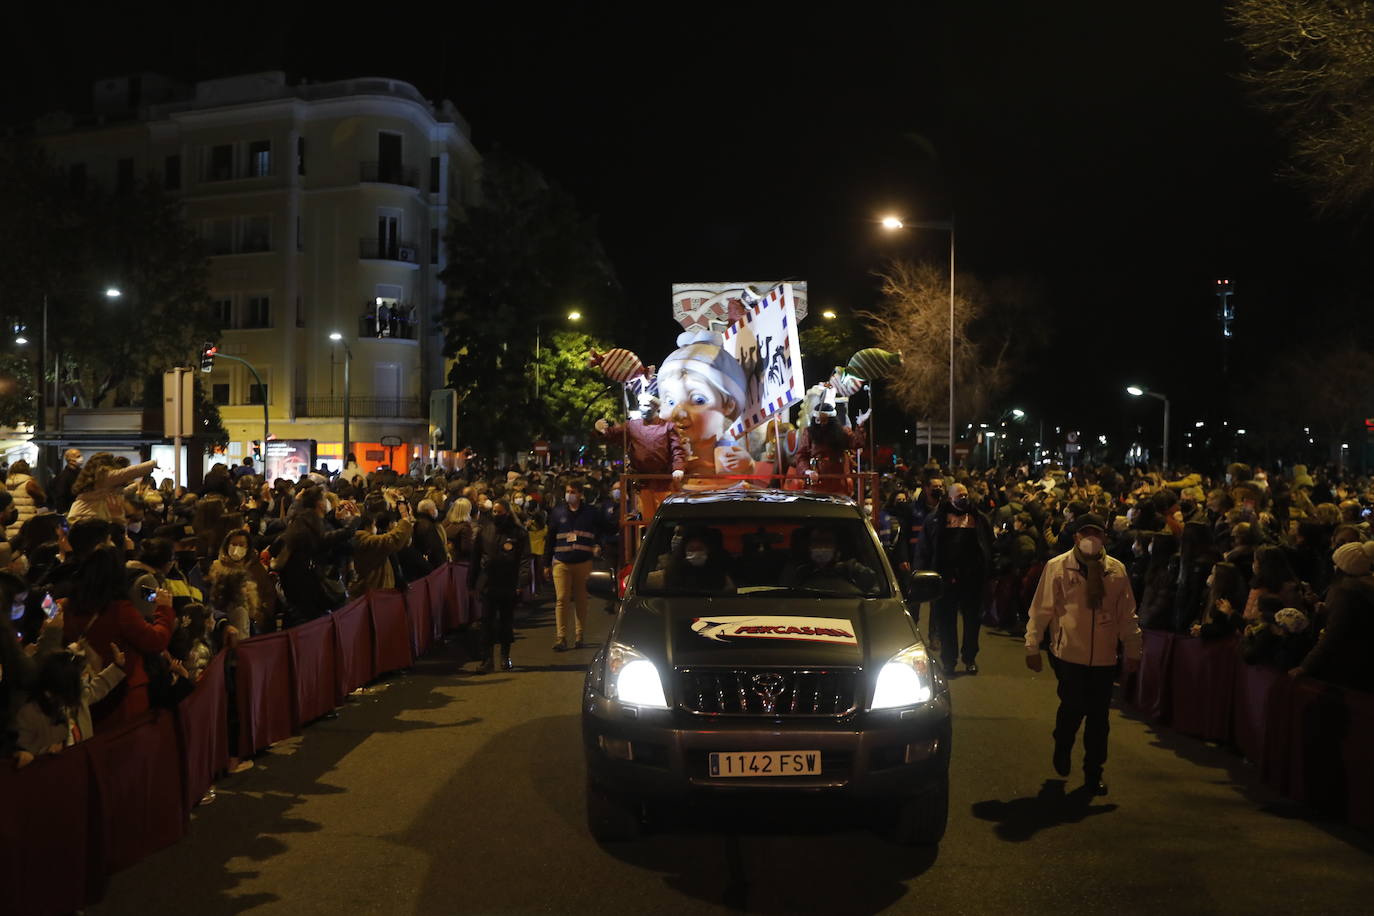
956, 542
825, 570
499, 573
572, 547
1084, 599
697, 566
237, 587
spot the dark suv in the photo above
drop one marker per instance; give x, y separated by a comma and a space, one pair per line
763, 644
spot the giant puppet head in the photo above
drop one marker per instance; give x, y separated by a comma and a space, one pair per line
701, 386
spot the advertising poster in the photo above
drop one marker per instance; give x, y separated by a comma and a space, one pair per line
289, 458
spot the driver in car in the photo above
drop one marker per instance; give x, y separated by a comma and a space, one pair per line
823, 569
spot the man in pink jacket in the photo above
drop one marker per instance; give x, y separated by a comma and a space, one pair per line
1085, 599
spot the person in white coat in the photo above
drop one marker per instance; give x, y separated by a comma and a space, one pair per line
1085, 600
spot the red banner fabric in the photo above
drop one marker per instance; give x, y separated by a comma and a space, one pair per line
1255, 685
1152, 694
49, 856
203, 732
460, 595
315, 663
389, 631
1202, 683
353, 642
265, 694
417, 615
137, 771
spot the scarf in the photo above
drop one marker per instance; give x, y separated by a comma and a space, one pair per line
1094, 568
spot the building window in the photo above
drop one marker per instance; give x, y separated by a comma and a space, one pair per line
434, 174
223, 312
300, 155
434, 246
257, 394
221, 162
76, 177
220, 236
124, 176
257, 233
259, 312
171, 173
260, 158
219, 394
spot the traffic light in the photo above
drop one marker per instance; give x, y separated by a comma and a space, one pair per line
207, 357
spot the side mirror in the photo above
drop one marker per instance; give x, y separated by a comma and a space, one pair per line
923, 586
601, 584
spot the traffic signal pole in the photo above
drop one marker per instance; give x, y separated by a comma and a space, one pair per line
207, 363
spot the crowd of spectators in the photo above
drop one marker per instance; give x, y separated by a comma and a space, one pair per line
121, 591
1280, 560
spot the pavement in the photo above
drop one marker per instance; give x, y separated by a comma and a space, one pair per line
444, 791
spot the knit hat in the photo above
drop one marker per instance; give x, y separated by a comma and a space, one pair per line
1354, 559
1291, 620
704, 352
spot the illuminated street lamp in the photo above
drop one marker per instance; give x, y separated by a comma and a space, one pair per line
348, 360
829, 315
1137, 391
894, 224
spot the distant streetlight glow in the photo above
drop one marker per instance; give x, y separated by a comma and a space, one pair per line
892, 223
1199, 424
21, 340
1133, 390
113, 293
828, 314
1018, 413
574, 316
335, 335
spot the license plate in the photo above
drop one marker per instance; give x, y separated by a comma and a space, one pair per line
762, 764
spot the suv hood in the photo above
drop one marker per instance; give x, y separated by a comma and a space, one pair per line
794, 632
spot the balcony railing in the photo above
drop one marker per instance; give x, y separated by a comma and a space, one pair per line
398, 324
388, 250
394, 408
386, 173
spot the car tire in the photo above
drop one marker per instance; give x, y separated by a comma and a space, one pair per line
611, 817
921, 819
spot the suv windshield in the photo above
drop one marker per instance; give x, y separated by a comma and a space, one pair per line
824, 558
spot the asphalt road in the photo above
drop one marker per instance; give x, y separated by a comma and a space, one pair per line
442, 791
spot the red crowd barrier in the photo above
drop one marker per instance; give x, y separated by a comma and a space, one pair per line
71, 819
1312, 741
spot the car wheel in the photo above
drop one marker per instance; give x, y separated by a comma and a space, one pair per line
611, 818
920, 819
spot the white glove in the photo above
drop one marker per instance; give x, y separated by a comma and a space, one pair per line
678, 475
862, 418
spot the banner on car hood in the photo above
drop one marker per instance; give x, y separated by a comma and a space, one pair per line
803, 629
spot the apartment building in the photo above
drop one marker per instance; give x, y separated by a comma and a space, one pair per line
324, 207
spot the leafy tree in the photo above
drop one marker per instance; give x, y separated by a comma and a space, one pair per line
520, 258
573, 393
16, 389
994, 331
1313, 69
67, 245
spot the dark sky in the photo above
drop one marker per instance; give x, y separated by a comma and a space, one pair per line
1105, 154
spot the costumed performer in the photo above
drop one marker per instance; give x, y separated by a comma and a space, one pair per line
655, 448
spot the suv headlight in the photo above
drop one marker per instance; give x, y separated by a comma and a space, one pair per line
632, 678
905, 680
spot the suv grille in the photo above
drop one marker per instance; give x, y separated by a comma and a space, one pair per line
767, 691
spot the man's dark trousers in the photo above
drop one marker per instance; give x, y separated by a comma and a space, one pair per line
959, 599
1085, 692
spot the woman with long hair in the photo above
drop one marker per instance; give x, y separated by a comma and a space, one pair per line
98, 609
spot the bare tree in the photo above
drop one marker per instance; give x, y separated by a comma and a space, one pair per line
1313, 70
990, 337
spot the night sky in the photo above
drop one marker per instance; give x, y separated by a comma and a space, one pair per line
1109, 159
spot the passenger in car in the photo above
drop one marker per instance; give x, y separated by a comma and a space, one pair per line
698, 565
822, 567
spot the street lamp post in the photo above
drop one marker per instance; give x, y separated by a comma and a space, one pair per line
1137, 391
348, 361
893, 224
